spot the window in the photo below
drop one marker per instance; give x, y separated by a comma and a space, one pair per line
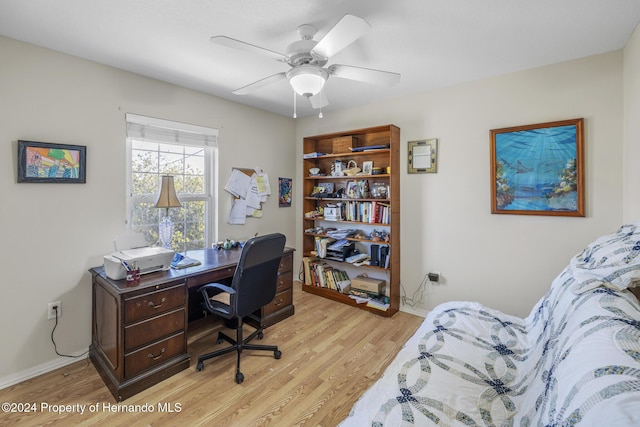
188, 153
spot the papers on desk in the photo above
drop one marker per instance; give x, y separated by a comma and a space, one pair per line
181, 261
249, 191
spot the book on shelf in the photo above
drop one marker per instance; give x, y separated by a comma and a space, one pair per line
372, 299
312, 155
370, 147
357, 258
306, 263
378, 304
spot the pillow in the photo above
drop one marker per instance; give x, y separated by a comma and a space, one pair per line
612, 261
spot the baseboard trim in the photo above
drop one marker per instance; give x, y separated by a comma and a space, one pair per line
47, 367
412, 311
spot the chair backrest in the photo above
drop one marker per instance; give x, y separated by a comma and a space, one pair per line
256, 276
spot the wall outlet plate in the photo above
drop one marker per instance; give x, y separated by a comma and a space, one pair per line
51, 312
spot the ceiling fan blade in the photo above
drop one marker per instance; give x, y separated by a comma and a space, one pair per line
319, 100
349, 29
259, 84
247, 47
367, 75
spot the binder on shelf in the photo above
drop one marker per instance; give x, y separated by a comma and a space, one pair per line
384, 256
374, 251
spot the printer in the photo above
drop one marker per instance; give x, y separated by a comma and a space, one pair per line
132, 250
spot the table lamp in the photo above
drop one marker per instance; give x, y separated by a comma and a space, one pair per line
166, 200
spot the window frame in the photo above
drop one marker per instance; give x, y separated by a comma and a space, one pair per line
209, 197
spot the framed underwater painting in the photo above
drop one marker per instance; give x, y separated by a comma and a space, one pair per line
538, 169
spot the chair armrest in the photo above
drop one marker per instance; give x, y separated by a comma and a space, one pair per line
214, 306
219, 286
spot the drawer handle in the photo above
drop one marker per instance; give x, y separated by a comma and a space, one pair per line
280, 301
151, 356
152, 305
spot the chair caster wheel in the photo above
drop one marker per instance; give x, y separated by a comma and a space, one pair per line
260, 335
239, 377
200, 366
277, 354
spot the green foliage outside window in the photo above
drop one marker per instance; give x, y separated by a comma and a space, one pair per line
149, 161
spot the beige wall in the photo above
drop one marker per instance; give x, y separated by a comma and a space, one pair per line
631, 151
52, 233
504, 261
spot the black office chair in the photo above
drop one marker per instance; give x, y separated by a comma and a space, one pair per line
253, 286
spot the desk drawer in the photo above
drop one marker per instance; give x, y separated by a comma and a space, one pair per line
281, 300
153, 355
151, 329
286, 263
216, 276
153, 303
285, 281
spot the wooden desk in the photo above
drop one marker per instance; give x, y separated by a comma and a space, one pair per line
139, 332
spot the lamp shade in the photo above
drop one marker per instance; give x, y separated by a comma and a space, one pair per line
168, 198
307, 80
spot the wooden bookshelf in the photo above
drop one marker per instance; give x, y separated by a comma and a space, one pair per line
381, 146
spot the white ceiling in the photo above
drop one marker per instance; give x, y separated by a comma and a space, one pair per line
431, 43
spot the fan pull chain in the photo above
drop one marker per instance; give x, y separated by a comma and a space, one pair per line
295, 115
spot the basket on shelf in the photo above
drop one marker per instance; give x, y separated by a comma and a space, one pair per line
352, 168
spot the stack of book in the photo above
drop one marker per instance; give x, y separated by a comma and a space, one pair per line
369, 212
319, 273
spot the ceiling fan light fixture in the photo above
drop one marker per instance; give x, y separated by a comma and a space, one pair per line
307, 80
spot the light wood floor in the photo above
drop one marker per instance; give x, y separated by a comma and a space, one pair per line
331, 353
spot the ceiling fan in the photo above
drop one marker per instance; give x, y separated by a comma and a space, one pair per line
307, 57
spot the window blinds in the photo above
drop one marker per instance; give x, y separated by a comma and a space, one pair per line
158, 130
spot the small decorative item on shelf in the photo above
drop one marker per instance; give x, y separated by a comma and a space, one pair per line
379, 236
379, 190
376, 171
352, 168
363, 187
353, 192
314, 171
336, 168
367, 167
313, 214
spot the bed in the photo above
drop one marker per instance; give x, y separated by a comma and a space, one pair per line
575, 359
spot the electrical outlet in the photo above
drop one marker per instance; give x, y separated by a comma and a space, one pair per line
434, 277
52, 308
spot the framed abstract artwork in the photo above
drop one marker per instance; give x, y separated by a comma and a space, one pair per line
48, 162
538, 169
284, 192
